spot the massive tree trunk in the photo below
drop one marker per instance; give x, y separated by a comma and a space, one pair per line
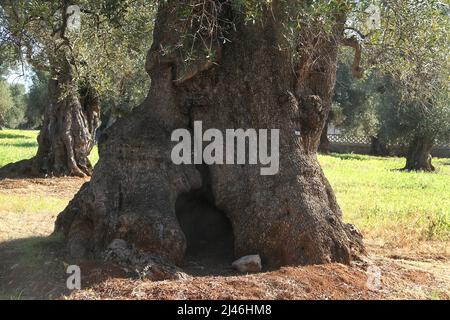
68, 131
418, 157
288, 218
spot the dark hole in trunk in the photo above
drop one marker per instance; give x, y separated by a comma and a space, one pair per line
208, 231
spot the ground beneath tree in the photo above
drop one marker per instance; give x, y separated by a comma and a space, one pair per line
32, 266
60, 187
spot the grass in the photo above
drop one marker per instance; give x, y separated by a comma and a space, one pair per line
18, 145
32, 203
10, 296
390, 204
27, 203
385, 203
33, 251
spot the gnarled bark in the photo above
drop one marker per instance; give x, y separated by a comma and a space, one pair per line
418, 157
68, 132
288, 218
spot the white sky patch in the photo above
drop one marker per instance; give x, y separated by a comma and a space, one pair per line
374, 19
74, 21
22, 77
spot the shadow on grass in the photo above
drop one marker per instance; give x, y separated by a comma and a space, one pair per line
437, 170
5, 135
18, 170
32, 268
348, 156
35, 268
21, 144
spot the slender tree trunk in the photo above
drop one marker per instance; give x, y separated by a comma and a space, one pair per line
67, 135
324, 145
418, 157
378, 147
288, 218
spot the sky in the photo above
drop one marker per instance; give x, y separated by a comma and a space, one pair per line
17, 76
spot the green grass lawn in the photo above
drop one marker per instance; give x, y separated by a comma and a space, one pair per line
391, 204
382, 201
17, 145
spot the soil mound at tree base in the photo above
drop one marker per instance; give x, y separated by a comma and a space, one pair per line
399, 280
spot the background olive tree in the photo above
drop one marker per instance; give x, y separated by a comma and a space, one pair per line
402, 97
83, 65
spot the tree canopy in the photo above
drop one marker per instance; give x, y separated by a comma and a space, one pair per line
107, 50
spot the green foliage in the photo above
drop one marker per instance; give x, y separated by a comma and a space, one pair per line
105, 53
112, 53
410, 55
385, 106
15, 116
120, 79
412, 46
37, 100
404, 118
6, 101
356, 102
12, 104
206, 24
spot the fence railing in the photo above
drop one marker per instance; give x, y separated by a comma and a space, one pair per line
340, 138
361, 140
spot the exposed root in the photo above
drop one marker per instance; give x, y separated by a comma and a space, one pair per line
143, 264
